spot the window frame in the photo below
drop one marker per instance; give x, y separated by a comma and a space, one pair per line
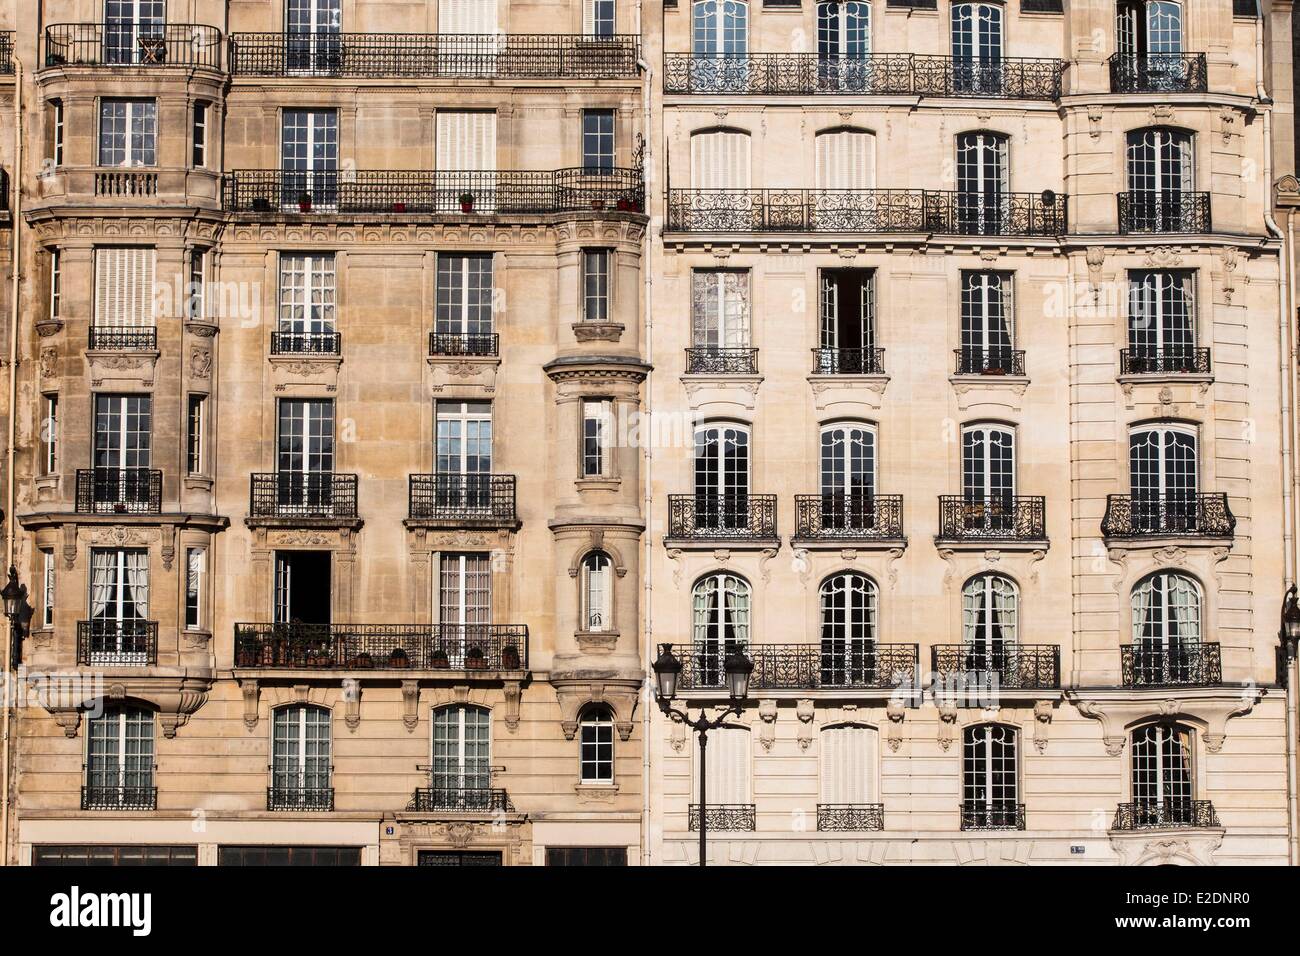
587, 591
596, 305
195, 580
596, 430
596, 747
599, 145
199, 134
147, 146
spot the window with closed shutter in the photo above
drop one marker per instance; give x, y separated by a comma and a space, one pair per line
720, 160
728, 765
124, 278
466, 158
848, 758
467, 16
846, 160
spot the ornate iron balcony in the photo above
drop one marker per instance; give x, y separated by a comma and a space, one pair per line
119, 491
729, 517
128, 44
460, 800
899, 74
829, 665
300, 798
481, 497
1158, 73
313, 343
452, 647
848, 516
850, 816
1184, 515
117, 338
848, 361
302, 494
866, 211
710, 360
119, 798
1178, 664
1167, 814
723, 817
992, 815
1171, 360
6, 52
457, 343
1018, 518
1009, 667
972, 361
111, 643
535, 56
1152, 212
431, 192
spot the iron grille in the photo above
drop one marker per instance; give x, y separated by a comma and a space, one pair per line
1165, 361
1189, 515
119, 491
848, 361
971, 361
300, 798
992, 815
459, 647
1008, 667
6, 52
1154, 212
460, 800
1016, 518
97, 44
314, 343
111, 643
114, 338
1166, 814
722, 516
463, 497
848, 516
720, 361
832, 664
455, 343
119, 798
539, 56
1179, 664
724, 817
850, 816
302, 494
1158, 73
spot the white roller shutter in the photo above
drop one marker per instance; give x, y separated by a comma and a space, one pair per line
720, 160
124, 285
848, 755
846, 160
467, 140
467, 16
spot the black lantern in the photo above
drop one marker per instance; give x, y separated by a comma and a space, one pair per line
1290, 616
667, 668
738, 667
14, 594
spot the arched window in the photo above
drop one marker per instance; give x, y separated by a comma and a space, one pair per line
977, 48
596, 745
720, 612
990, 779
1162, 478
1166, 631
1160, 180
722, 477
300, 759
846, 165
1161, 322
720, 28
983, 181
461, 777
848, 607
990, 606
597, 593
1163, 782
1148, 27
988, 478
848, 477
848, 786
843, 45
720, 164
120, 760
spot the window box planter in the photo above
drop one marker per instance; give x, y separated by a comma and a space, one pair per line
362, 661
398, 658
510, 658
474, 659
439, 660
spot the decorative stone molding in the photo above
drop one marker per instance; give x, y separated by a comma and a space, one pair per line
1210, 708
597, 331
410, 704
575, 691
677, 735
805, 731
714, 395
48, 327
947, 723
767, 712
293, 375
896, 711
989, 391
249, 690
848, 396
174, 698
1181, 848
471, 376
351, 703
119, 369
1042, 720
602, 794
513, 693
992, 852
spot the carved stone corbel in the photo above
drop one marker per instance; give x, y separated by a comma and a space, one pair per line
947, 723
767, 725
1042, 720
514, 692
250, 692
352, 703
896, 712
69, 720
804, 710
410, 704
677, 735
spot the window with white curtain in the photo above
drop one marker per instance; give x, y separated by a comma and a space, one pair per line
119, 605
1166, 611
462, 749
196, 567
987, 339
849, 604
306, 302
596, 745
597, 593
1162, 776
720, 307
120, 759
300, 758
990, 603
597, 425
720, 622
47, 587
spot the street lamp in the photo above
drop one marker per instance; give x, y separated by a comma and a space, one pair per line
1291, 620
14, 596
737, 668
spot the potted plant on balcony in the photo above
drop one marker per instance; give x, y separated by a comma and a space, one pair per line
439, 660
994, 370
361, 661
304, 201
399, 206
598, 204
624, 204
474, 659
466, 202
510, 658
261, 204
398, 658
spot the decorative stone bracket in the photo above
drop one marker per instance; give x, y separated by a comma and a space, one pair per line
1212, 708
175, 698
896, 711
619, 694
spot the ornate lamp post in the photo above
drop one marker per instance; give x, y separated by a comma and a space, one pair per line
16, 609
1289, 636
737, 668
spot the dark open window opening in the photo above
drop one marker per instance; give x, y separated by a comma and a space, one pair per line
302, 587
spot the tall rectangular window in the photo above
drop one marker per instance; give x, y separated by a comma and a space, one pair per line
200, 157
56, 132
595, 285
56, 283
195, 423
128, 132
598, 18
197, 285
464, 296
987, 330
598, 140
196, 566
47, 587
307, 303
50, 436
124, 286
595, 437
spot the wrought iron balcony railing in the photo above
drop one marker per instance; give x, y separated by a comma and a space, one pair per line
848, 361
432, 192
119, 491
723, 817
972, 361
459, 343
727, 516
1152, 212
850, 816
530, 56
458, 647
444, 497
828, 665
118, 797
131, 44
1009, 667
712, 360
1166, 814
992, 815
1189, 515
943, 212
1178, 664
460, 800
300, 798
1158, 73
899, 74
1007, 517
848, 516
118, 338
113, 643
1170, 360
6, 52
302, 494
313, 343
